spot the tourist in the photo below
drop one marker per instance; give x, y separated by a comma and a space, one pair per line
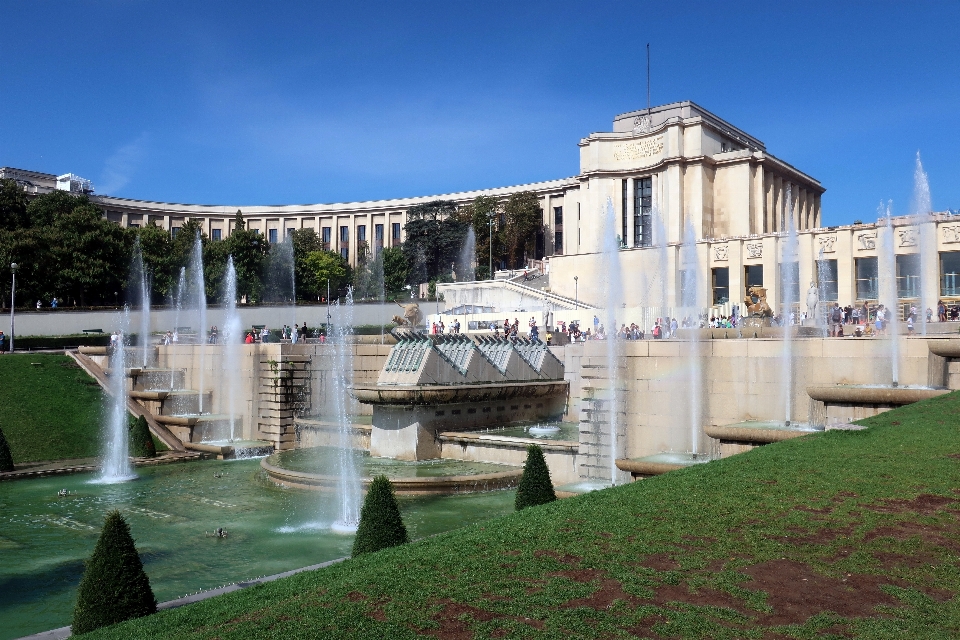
941, 311
54, 302
3, 343
929, 315
879, 321
910, 324
673, 327
264, 334
214, 335
304, 331
249, 338
39, 304
836, 321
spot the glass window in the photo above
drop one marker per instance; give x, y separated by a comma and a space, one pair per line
868, 283
790, 279
558, 215
174, 231
290, 231
753, 275
908, 276
134, 225
642, 211
396, 231
272, 236
361, 233
721, 285
950, 273
827, 280
623, 217
344, 235
558, 242
215, 234
345, 253
325, 238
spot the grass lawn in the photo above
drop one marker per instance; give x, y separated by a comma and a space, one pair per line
49, 411
841, 534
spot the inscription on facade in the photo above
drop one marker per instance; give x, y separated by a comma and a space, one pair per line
951, 234
638, 150
827, 243
908, 237
867, 240
720, 252
755, 250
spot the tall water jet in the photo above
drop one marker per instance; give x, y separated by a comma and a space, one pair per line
659, 240
823, 276
199, 291
348, 485
178, 308
466, 265
789, 294
141, 283
116, 458
232, 339
689, 301
887, 273
612, 295
922, 210
281, 284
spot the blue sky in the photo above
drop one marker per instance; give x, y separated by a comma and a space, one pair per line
247, 103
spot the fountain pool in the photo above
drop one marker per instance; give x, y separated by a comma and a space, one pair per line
172, 511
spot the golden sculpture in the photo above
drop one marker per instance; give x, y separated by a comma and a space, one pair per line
756, 303
412, 316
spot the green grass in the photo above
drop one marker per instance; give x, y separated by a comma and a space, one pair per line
801, 539
49, 411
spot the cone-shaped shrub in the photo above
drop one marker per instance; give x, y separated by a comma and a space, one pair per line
380, 523
141, 444
114, 586
6, 459
535, 484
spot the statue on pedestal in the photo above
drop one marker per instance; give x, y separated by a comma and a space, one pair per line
813, 301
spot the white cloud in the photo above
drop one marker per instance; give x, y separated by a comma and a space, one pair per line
122, 164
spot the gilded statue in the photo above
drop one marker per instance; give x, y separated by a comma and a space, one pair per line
756, 303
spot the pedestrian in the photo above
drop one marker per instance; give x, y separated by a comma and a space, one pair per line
249, 338
3, 343
39, 304
53, 303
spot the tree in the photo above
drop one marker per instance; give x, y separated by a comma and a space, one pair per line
380, 525
114, 587
535, 484
47, 207
435, 234
524, 218
6, 458
13, 205
305, 242
395, 270
91, 255
479, 213
155, 244
327, 265
141, 443
249, 252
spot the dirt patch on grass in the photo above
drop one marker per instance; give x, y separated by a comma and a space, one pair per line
660, 562
608, 591
822, 536
453, 628
906, 530
580, 575
704, 597
564, 558
890, 560
796, 592
924, 504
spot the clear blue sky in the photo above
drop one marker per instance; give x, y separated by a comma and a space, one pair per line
269, 103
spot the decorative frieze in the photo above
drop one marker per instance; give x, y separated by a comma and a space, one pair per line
720, 252
951, 234
908, 237
754, 249
867, 240
827, 243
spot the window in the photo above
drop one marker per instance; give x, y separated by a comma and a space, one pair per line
753, 275
325, 238
623, 213
642, 210
361, 233
908, 276
950, 273
290, 231
134, 225
272, 236
174, 231
558, 242
378, 237
868, 283
344, 235
558, 215
827, 280
790, 280
215, 234
395, 233
721, 285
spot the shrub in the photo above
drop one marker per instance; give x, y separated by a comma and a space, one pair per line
114, 586
535, 484
380, 523
6, 459
141, 444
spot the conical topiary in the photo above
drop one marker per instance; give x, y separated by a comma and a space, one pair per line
535, 484
6, 459
380, 523
114, 587
141, 444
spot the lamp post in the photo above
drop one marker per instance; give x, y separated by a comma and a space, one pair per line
576, 293
13, 290
490, 246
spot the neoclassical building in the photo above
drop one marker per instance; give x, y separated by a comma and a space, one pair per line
660, 177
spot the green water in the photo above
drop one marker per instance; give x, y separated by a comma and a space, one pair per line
316, 459
569, 432
172, 511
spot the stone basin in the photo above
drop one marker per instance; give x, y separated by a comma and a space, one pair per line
949, 348
426, 395
885, 395
661, 463
764, 431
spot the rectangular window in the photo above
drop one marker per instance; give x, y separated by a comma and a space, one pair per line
272, 236
290, 231
134, 225
325, 238
790, 280
623, 213
642, 212
827, 280
378, 238
908, 276
753, 275
361, 233
395, 233
950, 273
174, 231
215, 234
558, 215
868, 282
344, 235
345, 253
558, 242
721, 285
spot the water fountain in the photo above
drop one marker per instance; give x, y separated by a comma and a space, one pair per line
281, 286
789, 293
887, 274
199, 291
466, 265
613, 297
178, 306
348, 489
140, 280
116, 459
689, 300
922, 208
232, 339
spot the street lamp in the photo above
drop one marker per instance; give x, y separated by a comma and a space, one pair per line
13, 290
576, 293
490, 246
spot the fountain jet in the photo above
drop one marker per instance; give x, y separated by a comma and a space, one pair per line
116, 459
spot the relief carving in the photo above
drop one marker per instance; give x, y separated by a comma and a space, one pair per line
827, 242
951, 234
908, 237
720, 252
755, 250
867, 240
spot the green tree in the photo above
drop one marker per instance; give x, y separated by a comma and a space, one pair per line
155, 243
327, 265
114, 587
524, 218
249, 251
305, 242
141, 443
395, 270
434, 236
380, 525
479, 213
46, 208
6, 458
13, 205
91, 255
535, 484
